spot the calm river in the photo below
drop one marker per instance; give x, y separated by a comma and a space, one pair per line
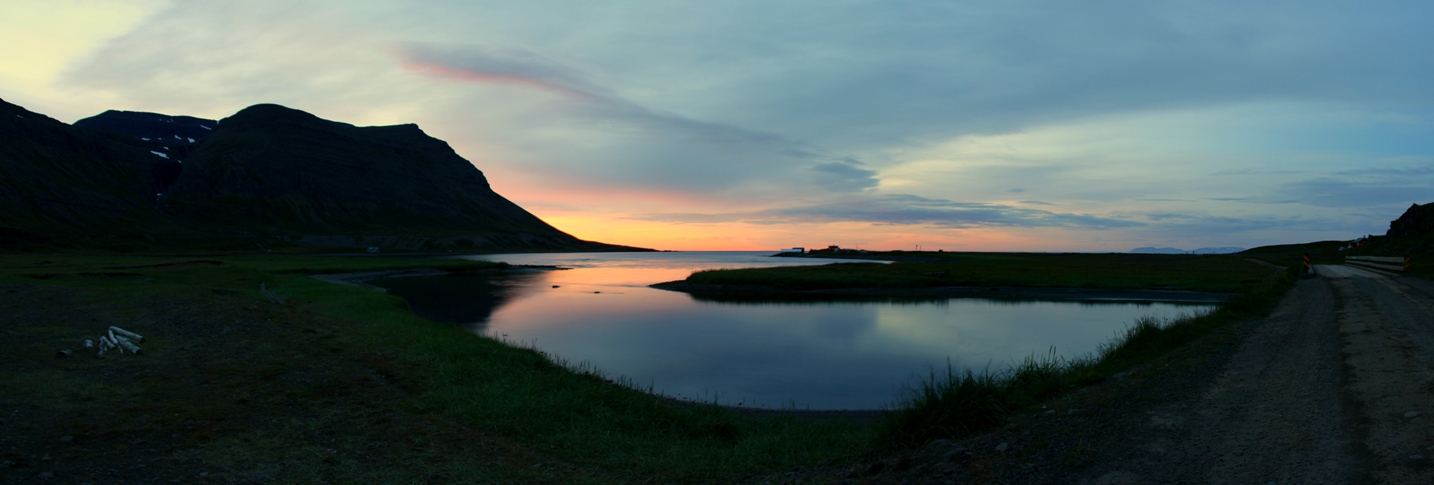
837, 355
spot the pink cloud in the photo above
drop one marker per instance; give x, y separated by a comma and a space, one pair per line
492, 69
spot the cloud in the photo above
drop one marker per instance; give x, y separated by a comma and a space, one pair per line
1342, 193
519, 67
1207, 230
845, 174
1093, 111
744, 154
500, 66
902, 209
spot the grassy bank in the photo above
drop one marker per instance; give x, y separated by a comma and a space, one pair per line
954, 403
308, 381
1212, 273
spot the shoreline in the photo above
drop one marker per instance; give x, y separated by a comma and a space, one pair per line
360, 279
945, 292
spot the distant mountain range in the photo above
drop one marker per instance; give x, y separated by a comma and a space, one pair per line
1153, 250
266, 176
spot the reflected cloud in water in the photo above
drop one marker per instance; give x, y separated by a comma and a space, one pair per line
804, 354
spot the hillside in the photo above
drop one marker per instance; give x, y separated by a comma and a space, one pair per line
268, 176
276, 170
1411, 236
63, 186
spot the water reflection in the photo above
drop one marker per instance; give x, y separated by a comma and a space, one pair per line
807, 354
463, 299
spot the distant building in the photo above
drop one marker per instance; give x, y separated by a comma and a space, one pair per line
794, 251
372, 249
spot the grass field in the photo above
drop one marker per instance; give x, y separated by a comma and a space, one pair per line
1212, 273
304, 381
321, 358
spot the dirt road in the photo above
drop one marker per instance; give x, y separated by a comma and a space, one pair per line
1336, 386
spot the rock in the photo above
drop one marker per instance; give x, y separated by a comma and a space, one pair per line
1410, 414
1049, 412
45, 475
939, 443
875, 467
66, 439
1003, 446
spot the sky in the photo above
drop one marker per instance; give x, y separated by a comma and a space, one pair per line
747, 125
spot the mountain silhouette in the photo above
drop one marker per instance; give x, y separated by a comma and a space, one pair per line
66, 186
267, 175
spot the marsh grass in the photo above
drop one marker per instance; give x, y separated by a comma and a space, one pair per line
546, 409
959, 402
1213, 273
572, 411
337, 356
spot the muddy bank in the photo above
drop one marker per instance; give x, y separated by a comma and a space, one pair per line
360, 279
721, 292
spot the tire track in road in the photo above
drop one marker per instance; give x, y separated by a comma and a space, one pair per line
1335, 386
1387, 332
1274, 414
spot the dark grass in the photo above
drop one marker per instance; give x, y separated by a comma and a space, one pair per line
575, 412
551, 411
1322, 252
955, 403
1212, 273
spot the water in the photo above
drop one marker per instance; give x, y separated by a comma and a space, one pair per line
832, 355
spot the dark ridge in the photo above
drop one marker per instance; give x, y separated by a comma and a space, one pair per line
1416, 221
154, 126
274, 169
174, 136
266, 176
66, 186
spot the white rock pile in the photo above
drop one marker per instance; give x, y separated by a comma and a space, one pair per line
118, 339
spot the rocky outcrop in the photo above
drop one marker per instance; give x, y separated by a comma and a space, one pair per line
1416, 221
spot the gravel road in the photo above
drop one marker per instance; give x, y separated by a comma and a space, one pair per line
1336, 386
